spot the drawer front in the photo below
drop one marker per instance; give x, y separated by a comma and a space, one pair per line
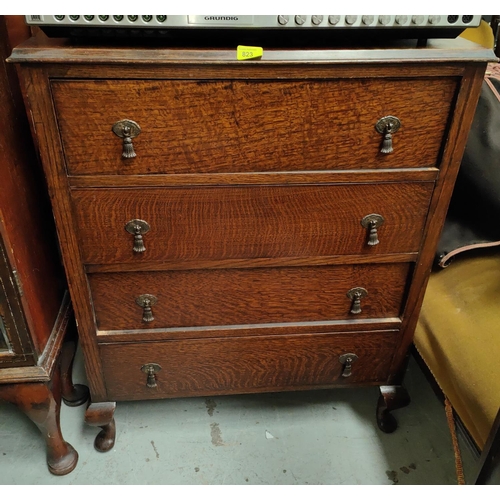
210, 223
244, 365
251, 126
247, 296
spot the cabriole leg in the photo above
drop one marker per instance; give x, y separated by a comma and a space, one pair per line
72, 394
392, 397
41, 402
101, 415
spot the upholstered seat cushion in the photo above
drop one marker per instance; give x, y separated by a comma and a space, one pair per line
458, 336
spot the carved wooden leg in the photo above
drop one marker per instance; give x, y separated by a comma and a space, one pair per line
72, 394
392, 397
101, 415
41, 402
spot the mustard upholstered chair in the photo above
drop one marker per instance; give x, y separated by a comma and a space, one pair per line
458, 333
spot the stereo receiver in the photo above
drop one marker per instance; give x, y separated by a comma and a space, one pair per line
350, 27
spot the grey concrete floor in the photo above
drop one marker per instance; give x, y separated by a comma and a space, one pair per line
326, 437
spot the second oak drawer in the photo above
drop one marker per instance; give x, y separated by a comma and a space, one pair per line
232, 222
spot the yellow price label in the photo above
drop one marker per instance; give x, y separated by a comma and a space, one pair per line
243, 52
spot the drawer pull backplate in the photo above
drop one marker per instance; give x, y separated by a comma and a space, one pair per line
387, 126
127, 130
151, 369
347, 360
138, 227
372, 222
146, 301
356, 294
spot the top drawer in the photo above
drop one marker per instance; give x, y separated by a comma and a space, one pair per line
251, 126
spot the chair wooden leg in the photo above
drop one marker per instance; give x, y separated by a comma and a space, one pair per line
489, 463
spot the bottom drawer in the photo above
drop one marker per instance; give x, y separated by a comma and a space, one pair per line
202, 367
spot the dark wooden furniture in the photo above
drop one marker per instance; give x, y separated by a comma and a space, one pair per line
258, 234
35, 310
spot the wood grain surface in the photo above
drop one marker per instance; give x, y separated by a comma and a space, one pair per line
205, 223
247, 296
251, 126
177, 265
269, 329
375, 176
436, 53
244, 365
44, 126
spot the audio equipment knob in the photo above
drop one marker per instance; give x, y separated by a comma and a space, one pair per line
368, 20
283, 20
452, 19
333, 20
316, 20
417, 19
401, 20
350, 20
434, 19
384, 20
88, 18
300, 20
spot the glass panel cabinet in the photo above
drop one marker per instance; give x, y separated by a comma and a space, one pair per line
37, 332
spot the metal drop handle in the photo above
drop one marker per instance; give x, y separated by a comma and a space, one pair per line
146, 301
387, 126
151, 369
347, 360
356, 294
372, 222
127, 130
137, 227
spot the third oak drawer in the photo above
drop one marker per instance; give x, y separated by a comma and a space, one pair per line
159, 225
238, 365
208, 297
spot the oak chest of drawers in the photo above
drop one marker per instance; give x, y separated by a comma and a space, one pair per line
236, 227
